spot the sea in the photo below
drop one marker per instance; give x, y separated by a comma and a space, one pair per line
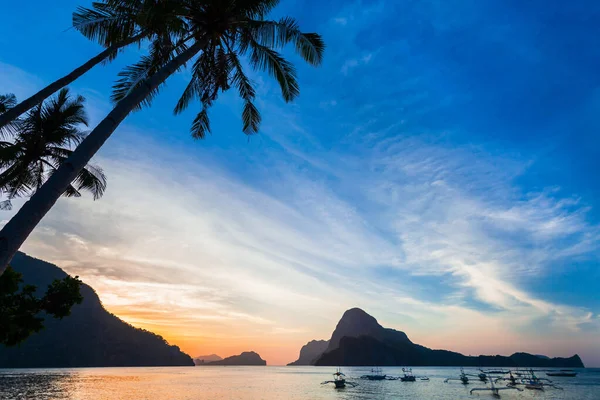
266, 383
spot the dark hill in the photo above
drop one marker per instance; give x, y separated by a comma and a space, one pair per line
359, 340
310, 352
89, 337
246, 358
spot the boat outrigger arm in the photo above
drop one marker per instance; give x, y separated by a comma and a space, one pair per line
512, 381
495, 390
462, 377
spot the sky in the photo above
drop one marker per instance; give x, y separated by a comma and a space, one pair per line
439, 170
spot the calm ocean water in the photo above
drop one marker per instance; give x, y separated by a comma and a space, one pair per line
268, 383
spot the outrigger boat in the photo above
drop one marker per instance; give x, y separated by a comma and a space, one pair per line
482, 377
535, 383
495, 390
495, 371
462, 377
408, 375
339, 380
377, 375
512, 381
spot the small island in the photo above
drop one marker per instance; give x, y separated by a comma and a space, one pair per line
201, 360
247, 358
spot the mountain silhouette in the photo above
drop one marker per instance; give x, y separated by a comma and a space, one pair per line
359, 340
246, 358
89, 337
310, 352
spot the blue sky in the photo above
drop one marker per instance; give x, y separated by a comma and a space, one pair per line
439, 170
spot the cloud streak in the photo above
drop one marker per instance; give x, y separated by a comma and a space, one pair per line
194, 251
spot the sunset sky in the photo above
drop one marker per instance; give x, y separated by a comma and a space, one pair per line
440, 171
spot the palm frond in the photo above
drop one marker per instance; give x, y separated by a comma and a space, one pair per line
256, 8
311, 47
10, 152
58, 152
161, 52
132, 77
19, 179
191, 90
267, 59
250, 115
71, 192
251, 118
67, 111
277, 34
201, 125
104, 23
92, 179
7, 101
240, 80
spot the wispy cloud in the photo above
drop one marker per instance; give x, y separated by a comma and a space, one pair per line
341, 21
16, 81
173, 234
355, 62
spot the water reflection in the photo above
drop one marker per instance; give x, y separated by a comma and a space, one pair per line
35, 385
265, 383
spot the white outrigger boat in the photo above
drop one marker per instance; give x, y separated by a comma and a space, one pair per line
339, 380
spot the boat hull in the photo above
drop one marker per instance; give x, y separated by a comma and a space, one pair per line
340, 384
375, 377
565, 374
534, 387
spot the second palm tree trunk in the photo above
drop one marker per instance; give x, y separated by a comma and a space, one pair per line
16, 231
46, 92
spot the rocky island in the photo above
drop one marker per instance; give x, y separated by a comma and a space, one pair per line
246, 358
359, 340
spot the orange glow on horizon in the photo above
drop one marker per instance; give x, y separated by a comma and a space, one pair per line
276, 350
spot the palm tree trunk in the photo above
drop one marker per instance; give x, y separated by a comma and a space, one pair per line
46, 92
16, 231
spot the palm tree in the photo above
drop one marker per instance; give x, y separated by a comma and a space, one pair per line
43, 142
114, 24
219, 33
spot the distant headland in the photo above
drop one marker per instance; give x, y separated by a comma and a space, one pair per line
89, 337
359, 340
